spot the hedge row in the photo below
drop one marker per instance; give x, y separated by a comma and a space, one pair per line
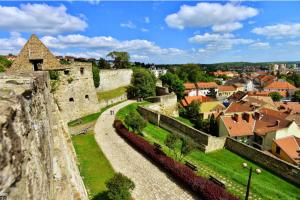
205, 189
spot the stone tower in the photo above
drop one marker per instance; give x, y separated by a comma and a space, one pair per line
35, 56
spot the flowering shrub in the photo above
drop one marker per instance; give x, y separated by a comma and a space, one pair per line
206, 189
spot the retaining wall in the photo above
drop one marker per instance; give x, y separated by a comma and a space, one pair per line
104, 103
204, 141
279, 167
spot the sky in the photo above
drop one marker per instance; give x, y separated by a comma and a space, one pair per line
161, 32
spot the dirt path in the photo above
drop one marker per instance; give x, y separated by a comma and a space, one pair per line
150, 182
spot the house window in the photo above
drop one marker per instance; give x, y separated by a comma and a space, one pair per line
81, 70
277, 150
87, 96
71, 99
67, 72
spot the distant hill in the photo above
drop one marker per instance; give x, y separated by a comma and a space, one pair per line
4, 63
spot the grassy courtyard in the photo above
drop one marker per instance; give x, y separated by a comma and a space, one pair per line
111, 93
226, 166
93, 165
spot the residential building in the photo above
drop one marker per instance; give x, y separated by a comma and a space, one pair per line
190, 89
225, 73
270, 125
238, 126
225, 91
187, 100
204, 88
292, 109
158, 71
208, 108
242, 83
264, 80
278, 86
287, 148
266, 93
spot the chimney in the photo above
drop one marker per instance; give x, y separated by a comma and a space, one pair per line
236, 117
277, 122
247, 117
256, 115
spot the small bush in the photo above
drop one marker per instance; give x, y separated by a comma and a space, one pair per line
135, 121
205, 189
119, 187
54, 75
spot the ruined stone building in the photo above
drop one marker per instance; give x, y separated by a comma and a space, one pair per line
75, 93
37, 158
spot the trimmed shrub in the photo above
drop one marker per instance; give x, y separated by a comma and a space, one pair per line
205, 189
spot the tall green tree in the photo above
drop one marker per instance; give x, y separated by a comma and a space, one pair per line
192, 111
170, 142
296, 96
121, 59
174, 84
96, 76
143, 83
185, 148
103, 64
135, 121
275, 96
192, 73
119, 187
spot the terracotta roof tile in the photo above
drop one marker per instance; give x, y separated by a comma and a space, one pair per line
294, 107
189, 86
240, 106
269, 121
238, 127
290, 145
207, 85
280, 85
266, 93
224, 88
188, 99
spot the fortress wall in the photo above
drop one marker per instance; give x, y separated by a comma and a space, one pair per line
76, 95
37, 159
114, 78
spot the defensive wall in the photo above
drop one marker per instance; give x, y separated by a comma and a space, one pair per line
205, 142
114, 78
166, 104
272, 163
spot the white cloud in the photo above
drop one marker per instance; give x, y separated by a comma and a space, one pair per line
229, 27
209, 14
93, 2
107, 44
39, 18
260, 45
128, 24
251, 22
279, 30
11, 44
147, 20
144, 30
294, 43
217, 42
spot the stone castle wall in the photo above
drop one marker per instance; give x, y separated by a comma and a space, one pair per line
166, 104
76, 95
111, 79
37, 159
272, 163
205, 142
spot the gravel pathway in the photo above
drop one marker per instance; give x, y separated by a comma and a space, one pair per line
150, 182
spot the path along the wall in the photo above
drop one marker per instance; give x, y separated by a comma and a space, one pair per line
151, 183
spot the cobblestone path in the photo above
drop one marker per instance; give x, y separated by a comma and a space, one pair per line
151, 183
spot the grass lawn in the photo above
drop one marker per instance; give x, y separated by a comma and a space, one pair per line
185, 121
94, 167
111, 93
91, 117
224, 163
121, 114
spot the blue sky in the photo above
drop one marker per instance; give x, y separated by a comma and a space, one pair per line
157, 32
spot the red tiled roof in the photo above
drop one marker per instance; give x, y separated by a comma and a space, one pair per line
280, 85
240, 106
290, 145
266, 93
189, 86
270, 121
238, 127
224, 88
294, 107
207, 85
266, 78
188, 99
